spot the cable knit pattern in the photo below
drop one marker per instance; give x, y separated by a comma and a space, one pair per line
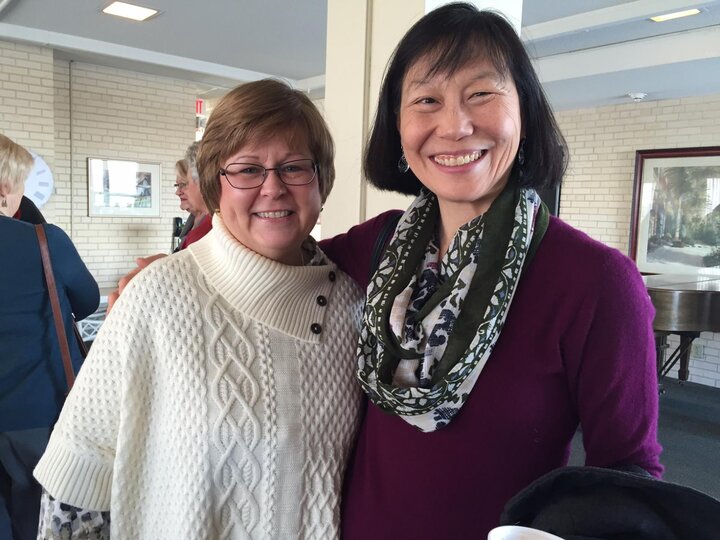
236, 430
208, 408
328, 451
270, 421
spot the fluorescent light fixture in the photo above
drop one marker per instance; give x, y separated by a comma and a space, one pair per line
129, 11
676, 15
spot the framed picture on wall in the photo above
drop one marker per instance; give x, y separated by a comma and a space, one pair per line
675, 225
123, 188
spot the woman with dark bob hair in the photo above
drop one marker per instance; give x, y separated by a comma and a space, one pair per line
242, 427
491, 330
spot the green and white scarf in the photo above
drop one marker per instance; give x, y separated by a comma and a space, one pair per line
422, 347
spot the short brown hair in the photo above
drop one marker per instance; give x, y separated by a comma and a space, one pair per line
257, 111
15, 164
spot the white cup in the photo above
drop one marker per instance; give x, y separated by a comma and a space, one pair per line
513, 532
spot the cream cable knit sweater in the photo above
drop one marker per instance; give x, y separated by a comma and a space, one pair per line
209, 407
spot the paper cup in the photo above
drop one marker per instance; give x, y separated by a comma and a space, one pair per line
513, 532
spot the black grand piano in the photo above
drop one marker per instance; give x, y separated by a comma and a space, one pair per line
685, 306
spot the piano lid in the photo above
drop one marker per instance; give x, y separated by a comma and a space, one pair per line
685, 303
683, 282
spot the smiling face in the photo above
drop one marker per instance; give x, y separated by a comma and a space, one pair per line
273, 219
460, 134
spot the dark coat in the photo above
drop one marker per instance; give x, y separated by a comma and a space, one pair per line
28, 212
32, 380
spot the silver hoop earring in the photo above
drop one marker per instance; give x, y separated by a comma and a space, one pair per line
402, 165
521, 159
521, 153
4, 203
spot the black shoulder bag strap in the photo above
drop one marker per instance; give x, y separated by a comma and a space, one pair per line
381, 242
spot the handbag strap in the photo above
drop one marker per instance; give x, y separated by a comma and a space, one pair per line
388, 228
55, 303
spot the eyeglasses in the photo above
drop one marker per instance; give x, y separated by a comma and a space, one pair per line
251, 175
179, 186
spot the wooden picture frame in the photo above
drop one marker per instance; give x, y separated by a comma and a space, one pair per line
675, 227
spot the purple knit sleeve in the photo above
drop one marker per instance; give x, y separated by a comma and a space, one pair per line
615, 380
352, 250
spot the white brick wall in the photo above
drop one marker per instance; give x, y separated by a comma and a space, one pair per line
26, 97
124, 115
58, 209
597, 193
69, 112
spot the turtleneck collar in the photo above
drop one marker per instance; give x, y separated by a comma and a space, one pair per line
291, 299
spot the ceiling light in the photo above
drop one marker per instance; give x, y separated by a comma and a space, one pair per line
129, 11
676, 15
637, 97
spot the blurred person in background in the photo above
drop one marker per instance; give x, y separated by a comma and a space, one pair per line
32, 380
187, 188
181, 171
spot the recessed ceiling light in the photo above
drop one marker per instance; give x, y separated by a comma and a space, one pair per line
637, 97
676, 15
129, 11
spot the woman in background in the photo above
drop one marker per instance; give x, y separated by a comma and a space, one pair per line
32, 380
191, 198
492, 330
181, 172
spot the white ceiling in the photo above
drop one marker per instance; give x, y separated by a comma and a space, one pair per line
587, 52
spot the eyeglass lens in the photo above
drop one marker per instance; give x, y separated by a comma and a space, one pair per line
249, 175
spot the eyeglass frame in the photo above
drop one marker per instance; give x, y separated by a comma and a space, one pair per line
181, 186
266, 173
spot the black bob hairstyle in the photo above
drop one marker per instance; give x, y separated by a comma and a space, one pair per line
451, 37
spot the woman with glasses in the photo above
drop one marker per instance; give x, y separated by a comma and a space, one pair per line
187, 188
243, 428
181, 183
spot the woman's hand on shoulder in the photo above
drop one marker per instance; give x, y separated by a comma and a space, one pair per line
142, 262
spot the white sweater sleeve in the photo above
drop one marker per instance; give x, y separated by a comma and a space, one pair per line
77, 466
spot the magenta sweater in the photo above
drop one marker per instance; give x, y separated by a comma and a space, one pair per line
577, 348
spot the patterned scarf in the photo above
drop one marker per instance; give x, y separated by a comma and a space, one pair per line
312, 255
420, 353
